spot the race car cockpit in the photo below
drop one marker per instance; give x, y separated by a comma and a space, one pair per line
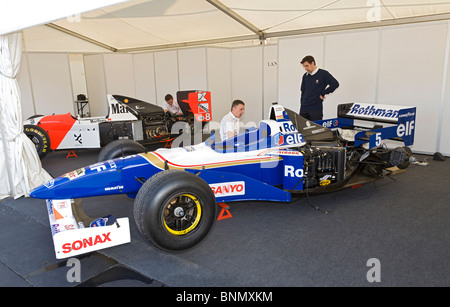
277, 131
251, 139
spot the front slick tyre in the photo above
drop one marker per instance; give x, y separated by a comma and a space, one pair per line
175, 210
40, 139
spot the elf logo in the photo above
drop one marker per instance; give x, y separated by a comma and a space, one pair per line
228, 188
330, 123
91, 241
295, 138
405, 129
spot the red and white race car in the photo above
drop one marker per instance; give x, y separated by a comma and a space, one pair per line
137, 123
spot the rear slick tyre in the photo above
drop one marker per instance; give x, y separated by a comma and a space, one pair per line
175, 210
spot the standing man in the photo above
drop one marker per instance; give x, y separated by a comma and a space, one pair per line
316, 84
229, 125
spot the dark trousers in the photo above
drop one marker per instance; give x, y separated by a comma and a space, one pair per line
312, 115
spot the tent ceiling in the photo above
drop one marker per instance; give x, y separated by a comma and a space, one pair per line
141, 25
16, 15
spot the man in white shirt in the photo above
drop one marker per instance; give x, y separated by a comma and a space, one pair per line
171, 105
229, 125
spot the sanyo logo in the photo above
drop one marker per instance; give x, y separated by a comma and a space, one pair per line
290, 171
228, 188
405, 130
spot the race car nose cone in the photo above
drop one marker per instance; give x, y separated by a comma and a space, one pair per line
43, 191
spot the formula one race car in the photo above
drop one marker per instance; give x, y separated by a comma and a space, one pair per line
176, 189
127, 119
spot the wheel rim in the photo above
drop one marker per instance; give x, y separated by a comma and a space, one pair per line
35, 141
182, 214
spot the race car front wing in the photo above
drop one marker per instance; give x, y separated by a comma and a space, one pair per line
72, 237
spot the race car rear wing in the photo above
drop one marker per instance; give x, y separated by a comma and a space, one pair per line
401, 119
196, 102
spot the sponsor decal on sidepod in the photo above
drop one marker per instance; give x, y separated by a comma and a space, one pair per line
228, 188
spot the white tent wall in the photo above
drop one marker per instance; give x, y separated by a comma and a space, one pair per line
192, 69
218, 65
417, 55
78, 75
144, 76
443, 137
166, 71
45, 78
247, 82
270, 77
119, 74
96, 84
352, 58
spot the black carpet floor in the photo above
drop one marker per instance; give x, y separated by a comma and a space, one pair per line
402, 221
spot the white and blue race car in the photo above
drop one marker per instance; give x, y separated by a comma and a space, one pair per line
176, 190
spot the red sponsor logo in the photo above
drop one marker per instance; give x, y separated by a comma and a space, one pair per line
91, 241
228, 188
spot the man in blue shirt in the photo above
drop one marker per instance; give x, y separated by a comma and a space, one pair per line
316, 83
